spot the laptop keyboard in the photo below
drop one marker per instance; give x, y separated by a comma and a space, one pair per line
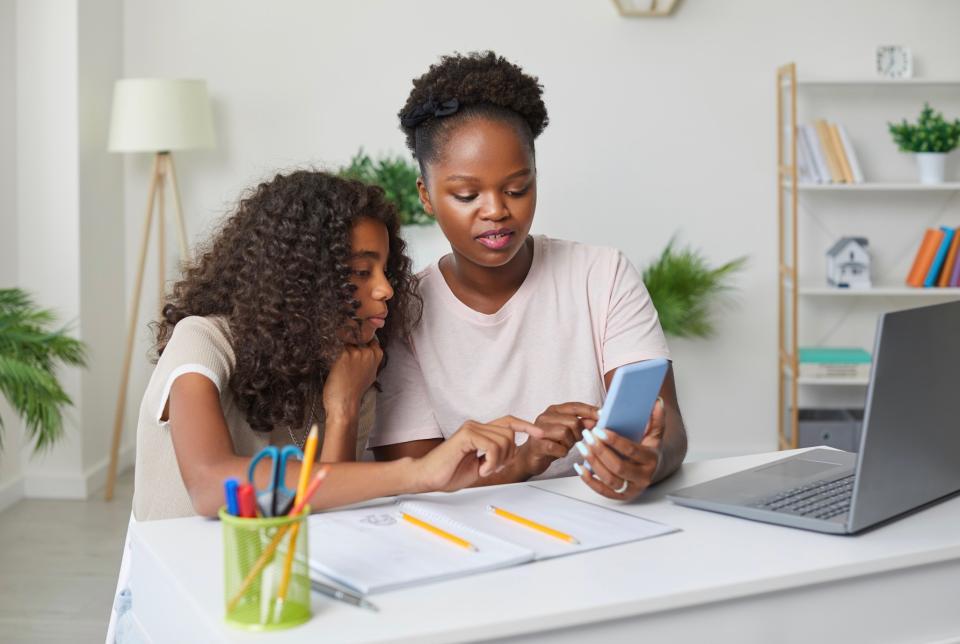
818, 500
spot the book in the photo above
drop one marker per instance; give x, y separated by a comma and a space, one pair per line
834, 362
937, 264
369, 549
924, 258
805, 170
948, 265
833, 163
813, 141
841, 155
851, 154
955, 272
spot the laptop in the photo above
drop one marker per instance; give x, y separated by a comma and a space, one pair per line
909, 447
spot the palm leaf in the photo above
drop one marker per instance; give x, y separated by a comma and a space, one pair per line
29, 355
685, 289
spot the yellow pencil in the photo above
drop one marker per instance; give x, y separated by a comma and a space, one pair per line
452, 538
309, 454
500, 512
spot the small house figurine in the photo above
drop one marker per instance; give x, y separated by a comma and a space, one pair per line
848, 263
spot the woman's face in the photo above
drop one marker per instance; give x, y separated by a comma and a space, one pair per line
370, 247
482, 190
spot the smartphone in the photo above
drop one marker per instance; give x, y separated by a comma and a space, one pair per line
632, 394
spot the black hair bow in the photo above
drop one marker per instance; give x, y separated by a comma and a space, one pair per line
427, 109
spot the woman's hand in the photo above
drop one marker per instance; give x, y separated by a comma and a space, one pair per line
351, 376
475, 451
562, 427
622, 468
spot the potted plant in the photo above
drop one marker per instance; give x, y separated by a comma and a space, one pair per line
684, 288
30, 352
398, 178
930, 139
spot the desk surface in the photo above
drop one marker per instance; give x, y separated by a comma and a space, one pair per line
177, 578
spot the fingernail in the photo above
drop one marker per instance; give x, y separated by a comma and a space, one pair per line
587, 436
578, 469
586, 464
599, 432
582, 448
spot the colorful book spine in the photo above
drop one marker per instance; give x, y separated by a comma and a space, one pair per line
955, 275
841, 155
924, 258
833, 163
941, 255
851, 154
948, 266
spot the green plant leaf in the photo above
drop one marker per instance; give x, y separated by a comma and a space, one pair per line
685, 288
931, 133
397, 177
29, 355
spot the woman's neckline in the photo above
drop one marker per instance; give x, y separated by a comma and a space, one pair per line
519, 296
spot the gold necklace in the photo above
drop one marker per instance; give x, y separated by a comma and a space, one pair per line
306, 430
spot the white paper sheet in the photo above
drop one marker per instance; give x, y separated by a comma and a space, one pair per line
371, 550
594, 526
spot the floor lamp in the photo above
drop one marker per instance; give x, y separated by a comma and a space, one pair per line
159, 116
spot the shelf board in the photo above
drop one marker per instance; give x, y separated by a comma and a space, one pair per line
877, 187
877, 82
852, 382
878, 291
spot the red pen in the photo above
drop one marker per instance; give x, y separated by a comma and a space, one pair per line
248, 501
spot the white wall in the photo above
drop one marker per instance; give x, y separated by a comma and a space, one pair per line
11, 482
102, 286
69, 224
657, 126
47, 200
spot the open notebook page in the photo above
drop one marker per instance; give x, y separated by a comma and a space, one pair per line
592, 525
372, 550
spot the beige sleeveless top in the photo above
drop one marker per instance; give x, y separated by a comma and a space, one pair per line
199, 345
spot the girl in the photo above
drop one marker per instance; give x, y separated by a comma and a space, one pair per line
512, 321
283, 322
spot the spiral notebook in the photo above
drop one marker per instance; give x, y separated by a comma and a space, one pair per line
372, 550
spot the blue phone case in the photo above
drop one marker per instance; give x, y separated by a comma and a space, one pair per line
632, 395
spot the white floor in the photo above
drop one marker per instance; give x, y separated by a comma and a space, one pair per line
58, 566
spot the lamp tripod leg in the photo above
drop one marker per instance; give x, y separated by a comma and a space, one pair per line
161, 229
131, 333
178, 212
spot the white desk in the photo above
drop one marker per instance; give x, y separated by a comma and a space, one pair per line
720, 579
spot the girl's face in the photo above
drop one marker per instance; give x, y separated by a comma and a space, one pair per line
483, 191
370, 247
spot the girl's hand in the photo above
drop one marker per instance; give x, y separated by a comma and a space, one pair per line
622, 468
475, 451
351, 376
562, 427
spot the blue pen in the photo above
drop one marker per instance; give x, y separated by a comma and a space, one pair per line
230, 487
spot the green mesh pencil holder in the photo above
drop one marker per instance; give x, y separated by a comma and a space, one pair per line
260, 593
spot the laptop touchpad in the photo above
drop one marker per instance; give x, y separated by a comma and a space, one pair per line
796, 468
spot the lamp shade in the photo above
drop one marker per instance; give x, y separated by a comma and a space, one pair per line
158, 115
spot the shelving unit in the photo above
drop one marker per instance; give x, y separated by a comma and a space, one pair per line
878, 187
791, 299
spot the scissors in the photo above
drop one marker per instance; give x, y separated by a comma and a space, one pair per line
276, 499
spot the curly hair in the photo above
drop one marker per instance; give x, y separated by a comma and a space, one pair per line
277, 272
478, 84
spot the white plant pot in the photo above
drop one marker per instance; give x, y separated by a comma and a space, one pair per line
931, 166
425, 244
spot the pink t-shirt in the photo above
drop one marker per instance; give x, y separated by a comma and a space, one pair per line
581, 312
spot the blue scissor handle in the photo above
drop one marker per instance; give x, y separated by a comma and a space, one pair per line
277, 496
